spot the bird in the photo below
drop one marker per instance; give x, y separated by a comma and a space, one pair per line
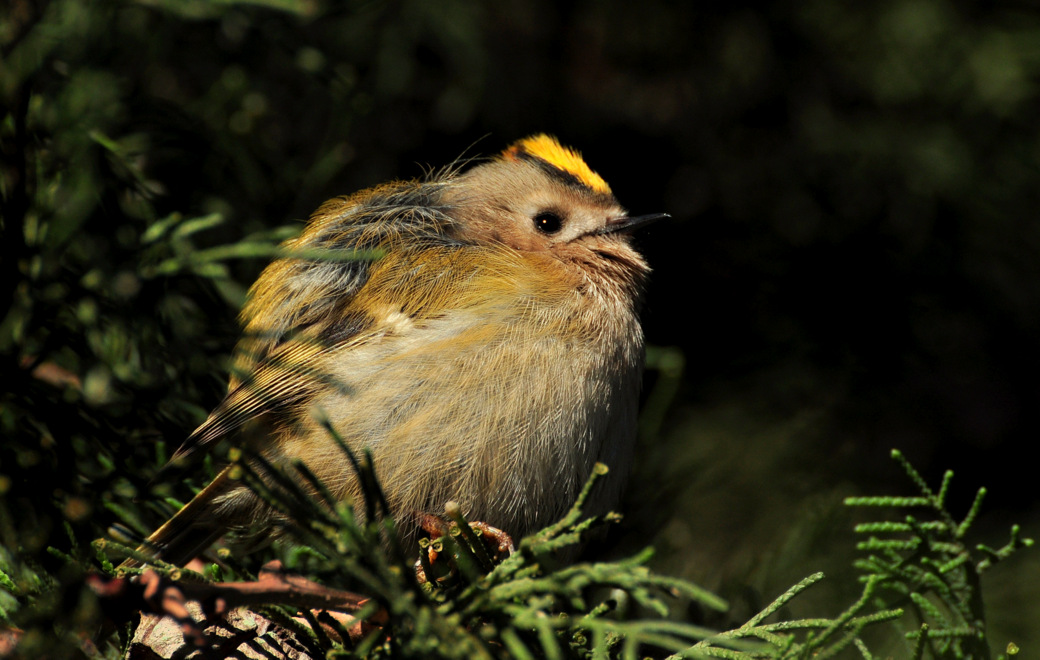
479, 334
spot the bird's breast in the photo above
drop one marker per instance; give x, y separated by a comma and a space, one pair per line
500, 394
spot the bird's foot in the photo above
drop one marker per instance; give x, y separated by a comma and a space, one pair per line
483, 543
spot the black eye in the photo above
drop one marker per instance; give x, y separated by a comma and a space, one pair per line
548, 222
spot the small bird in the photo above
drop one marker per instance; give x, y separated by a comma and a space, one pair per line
490, 353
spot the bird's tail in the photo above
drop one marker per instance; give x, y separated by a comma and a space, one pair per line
189, 532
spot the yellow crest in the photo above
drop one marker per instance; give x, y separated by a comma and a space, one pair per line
565, 161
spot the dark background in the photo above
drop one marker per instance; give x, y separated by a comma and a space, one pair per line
851, 266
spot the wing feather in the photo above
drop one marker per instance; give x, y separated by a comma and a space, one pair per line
300, 309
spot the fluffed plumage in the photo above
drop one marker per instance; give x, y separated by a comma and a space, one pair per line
490, 354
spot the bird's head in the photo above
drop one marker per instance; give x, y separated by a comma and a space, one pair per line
540, 196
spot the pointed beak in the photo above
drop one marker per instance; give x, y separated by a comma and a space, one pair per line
617, 225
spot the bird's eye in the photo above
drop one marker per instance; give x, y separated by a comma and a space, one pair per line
548, 222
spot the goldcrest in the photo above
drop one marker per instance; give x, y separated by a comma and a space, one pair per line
489, 353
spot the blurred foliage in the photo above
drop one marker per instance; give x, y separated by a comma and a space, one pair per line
855, 238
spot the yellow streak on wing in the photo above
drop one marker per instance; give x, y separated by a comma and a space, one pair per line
547, 148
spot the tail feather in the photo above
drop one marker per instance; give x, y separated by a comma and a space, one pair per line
189, 532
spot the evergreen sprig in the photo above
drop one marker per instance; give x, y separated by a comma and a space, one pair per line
529, 606
927, 567
519, 607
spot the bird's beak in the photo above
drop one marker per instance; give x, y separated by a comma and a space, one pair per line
626, 223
